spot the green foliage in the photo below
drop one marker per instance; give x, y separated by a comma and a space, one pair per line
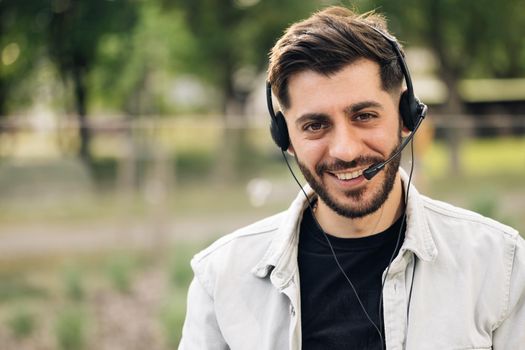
73, 284
180, 269
68, 32
471, 38
22, 34
172, 319
181, 274
120, 272
76, 28
70, 329
194, 165
104, 171
475, 154
17, 287
73, 47
143, 60
485, 203
234, 37
38, 178
21, 322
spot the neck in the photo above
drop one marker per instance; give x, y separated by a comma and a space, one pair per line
376, 222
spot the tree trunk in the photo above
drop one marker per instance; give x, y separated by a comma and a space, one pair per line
79, 81
3, 98
3, 85
454, 110
454, 107
232, 153
3, 128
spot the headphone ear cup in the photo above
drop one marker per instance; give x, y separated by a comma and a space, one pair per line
279, 131
408, 110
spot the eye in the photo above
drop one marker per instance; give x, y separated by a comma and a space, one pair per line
314, 126
363, 117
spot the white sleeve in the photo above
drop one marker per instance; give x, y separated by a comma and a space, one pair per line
510, 335
201, 330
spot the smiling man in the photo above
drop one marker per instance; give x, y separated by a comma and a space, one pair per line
360, 260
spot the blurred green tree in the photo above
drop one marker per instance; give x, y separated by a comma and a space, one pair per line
22, 33
157, 48
470, 39
75, 30
135, 73
232, 39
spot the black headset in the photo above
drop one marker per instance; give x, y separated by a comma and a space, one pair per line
412, 110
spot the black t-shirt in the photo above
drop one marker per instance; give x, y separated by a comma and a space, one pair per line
331, 316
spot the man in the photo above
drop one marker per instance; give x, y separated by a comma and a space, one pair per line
360, 260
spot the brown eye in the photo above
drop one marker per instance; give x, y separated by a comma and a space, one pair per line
363, 117
314, 126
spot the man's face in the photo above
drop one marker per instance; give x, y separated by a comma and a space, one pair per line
339, 125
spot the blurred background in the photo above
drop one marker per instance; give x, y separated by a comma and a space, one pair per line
134, 132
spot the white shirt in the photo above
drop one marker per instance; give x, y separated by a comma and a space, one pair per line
468, 290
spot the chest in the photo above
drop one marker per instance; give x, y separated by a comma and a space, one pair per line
444, 311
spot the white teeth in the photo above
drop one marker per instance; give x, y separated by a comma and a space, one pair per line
349, 176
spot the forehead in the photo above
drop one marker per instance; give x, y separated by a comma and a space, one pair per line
310, 91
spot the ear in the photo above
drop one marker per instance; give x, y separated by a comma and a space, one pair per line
290, 150
404, 131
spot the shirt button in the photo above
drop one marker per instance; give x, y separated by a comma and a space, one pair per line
292, 311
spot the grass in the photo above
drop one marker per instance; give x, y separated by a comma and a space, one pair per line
492, 180
180, 276
120, 270
70, 299
59, 296
70, 328
21, 322
172, 318
18, 287
479, 158
180, 273
73, 279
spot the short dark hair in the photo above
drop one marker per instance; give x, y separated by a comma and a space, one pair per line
328, 41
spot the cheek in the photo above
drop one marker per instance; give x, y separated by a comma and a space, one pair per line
376, 141
309, 152
383, 140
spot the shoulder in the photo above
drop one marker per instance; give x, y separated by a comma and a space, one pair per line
457, 220
257, 232
485, 252
238, 251
466, 238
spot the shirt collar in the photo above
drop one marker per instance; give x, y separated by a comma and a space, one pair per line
280, 259
418, 237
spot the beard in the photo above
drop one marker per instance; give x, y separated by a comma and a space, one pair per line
364, 206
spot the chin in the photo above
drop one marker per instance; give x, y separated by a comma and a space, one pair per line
360, 202
355, 209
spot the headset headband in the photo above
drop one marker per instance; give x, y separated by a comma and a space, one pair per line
412, 111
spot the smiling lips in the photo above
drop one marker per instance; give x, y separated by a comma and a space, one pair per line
348, 175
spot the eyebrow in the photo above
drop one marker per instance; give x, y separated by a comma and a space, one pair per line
317, 117
321, 117
356, 107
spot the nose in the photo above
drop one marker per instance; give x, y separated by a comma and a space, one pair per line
346, 143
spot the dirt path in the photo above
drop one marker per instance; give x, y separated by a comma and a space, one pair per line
33, 240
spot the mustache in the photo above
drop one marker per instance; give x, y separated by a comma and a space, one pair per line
338, 164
